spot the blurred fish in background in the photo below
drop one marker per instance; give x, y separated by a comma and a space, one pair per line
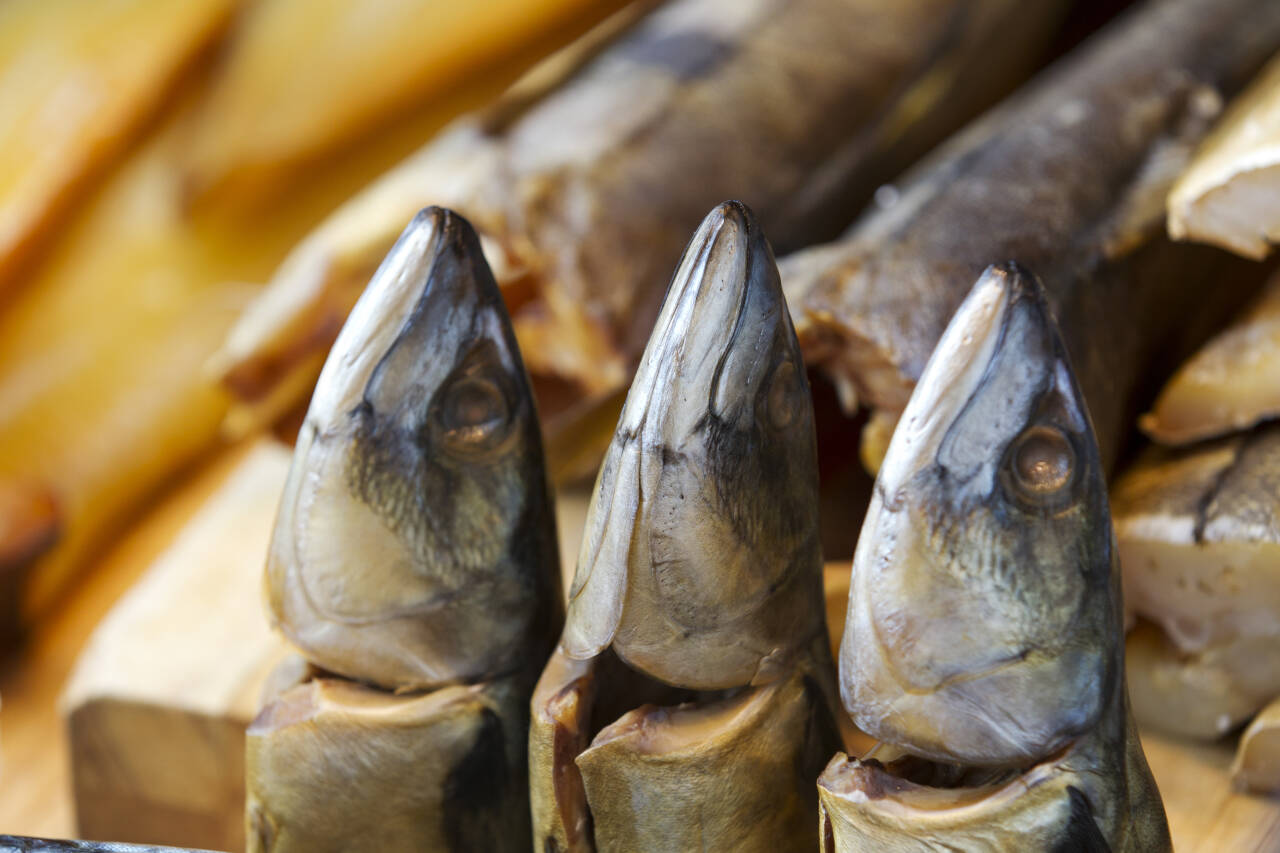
157, 161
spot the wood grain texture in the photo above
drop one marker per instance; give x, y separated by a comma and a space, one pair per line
158, 703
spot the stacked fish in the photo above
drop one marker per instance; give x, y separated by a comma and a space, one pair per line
691, 699
1199, 527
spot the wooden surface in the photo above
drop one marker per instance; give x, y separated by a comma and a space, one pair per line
157, 705
1205, 814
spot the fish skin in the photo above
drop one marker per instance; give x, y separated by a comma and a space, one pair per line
416, 544
24, 844
415, 563
700, 564
1104, 781
732, 774
339, 766
700, 570
802, 107
1068, 177
984, 625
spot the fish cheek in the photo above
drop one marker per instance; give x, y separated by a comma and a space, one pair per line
766, 485
434, 506
701, 571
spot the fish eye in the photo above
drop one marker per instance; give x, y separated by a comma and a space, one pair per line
474, 413
1042, 462
780, 402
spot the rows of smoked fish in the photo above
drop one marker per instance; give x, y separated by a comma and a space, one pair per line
990, 220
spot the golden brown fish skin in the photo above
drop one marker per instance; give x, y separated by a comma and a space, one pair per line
416, 545
1069, 177
984, 635
801, 107
692, 699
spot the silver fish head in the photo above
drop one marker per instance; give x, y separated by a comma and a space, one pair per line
983, 622
415, 544
700, 562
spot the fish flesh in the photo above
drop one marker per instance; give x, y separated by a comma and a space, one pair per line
1227, 196
983, 644
1070, 178
415, 562
1230, 384
691, 701
801, 107
1199, 539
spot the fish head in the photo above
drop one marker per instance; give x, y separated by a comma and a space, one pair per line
983, 624
418, 503
700, 561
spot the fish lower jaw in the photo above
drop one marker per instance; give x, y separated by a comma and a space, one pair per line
890, 779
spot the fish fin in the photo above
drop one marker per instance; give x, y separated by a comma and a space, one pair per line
1141, 213
1082, 834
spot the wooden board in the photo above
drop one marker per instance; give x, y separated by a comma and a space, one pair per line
35, 782
158, 703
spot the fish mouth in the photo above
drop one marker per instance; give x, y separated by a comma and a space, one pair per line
892, 781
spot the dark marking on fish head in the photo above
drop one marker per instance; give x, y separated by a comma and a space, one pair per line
984, 606
477, 792
1082, 834
419, 479
720, 414
708, 495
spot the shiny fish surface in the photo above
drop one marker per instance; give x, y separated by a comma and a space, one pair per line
691, 702
984, 643
414, 563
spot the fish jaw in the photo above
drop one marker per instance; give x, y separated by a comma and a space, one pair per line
1095, 794
866, 805
983, 620
701, 562
415, 545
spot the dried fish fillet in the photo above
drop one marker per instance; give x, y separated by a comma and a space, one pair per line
801, 108
1231, 383
1227, 196
1068, 177
1199, 539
